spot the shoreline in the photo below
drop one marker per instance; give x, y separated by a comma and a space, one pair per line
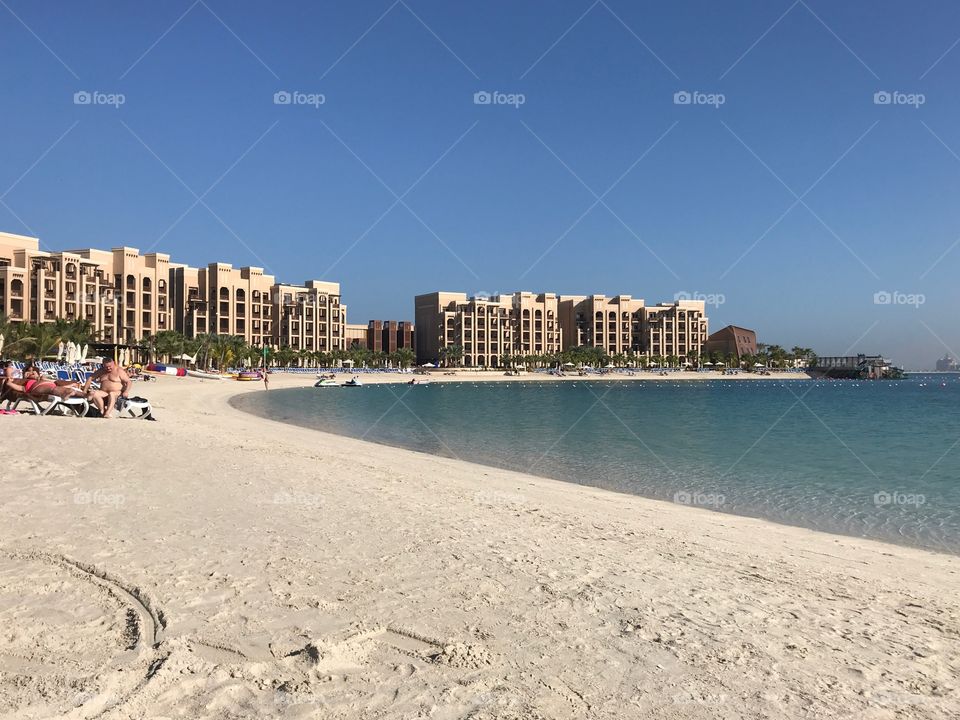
234, 403
297, 570
462, 375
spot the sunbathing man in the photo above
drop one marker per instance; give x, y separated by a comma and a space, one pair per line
114, 382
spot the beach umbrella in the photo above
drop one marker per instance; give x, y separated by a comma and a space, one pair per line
707, 363
759, 365
1, 342
569, 364
83, 353
60, 351
427, 364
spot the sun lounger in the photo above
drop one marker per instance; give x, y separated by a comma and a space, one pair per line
75, 406
137, 408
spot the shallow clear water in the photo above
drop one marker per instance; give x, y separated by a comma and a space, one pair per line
871, 459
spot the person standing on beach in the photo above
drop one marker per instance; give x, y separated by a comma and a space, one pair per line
266, 379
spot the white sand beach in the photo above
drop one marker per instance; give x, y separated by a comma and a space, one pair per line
218, 565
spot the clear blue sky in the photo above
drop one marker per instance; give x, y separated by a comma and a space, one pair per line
300, 189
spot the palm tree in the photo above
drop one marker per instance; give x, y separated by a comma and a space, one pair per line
37, 340
406, 357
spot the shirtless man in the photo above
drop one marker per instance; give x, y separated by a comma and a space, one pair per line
114, 382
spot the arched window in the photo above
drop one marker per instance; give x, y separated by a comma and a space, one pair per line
241, 295
224, 293
612, 315
538, 314
16, 287
146, 284
599, 315
131, 282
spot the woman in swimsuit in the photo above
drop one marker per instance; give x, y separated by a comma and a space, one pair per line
36, 386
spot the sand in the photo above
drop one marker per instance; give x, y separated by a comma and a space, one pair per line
218, 565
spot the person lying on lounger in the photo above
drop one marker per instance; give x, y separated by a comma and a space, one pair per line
114, 383
6, 374
35, 386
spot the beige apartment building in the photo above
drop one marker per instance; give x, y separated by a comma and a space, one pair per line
614, 323
121, 293
126, 296
486, 328
309, 317
677, 329
533, 324
223, 300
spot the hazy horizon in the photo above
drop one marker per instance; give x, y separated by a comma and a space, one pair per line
795, 162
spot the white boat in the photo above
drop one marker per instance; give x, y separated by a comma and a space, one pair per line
353, 382
204, 375
327, 382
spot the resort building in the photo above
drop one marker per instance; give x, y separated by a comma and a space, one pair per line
126, 296
356, 336
388, 336
123, 294
615, 323
309, 317
223, 300
732, 340
676, 329
38, 286
947, 364
486, 328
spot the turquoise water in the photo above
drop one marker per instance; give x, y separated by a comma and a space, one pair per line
870, 459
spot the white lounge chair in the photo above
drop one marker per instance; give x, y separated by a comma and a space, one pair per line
137, 408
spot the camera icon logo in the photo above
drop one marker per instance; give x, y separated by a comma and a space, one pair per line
682, 497
282, 97
882, 97
882, 498
882, 298
482, 98
82, 97
682, 97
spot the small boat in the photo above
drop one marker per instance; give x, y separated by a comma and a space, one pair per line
326, 382
416, 381
204, 375
353, 382
249, 376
